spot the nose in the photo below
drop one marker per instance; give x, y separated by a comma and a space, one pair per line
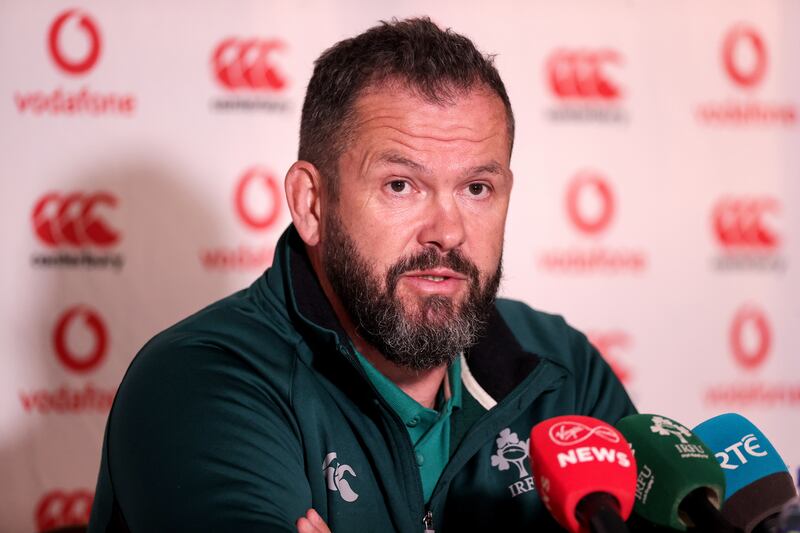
443, 226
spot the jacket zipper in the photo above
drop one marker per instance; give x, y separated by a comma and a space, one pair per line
427, 519
502, 411
427, 522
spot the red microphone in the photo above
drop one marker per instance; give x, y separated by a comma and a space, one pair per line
585, 473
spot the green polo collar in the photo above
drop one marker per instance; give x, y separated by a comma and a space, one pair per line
429, 429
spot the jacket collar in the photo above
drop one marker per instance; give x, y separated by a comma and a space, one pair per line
498, 362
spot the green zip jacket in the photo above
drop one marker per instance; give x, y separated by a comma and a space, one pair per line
255, 409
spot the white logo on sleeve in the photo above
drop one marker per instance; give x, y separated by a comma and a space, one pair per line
334, 473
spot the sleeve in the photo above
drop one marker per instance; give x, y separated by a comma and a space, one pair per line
198, 441
600, 393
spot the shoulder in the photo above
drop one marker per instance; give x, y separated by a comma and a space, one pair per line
226, 362
234, 335
547, 335
207, 403
596, 389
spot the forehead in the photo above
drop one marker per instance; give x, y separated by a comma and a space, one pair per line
473, 120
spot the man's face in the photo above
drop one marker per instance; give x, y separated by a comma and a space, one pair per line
412, 246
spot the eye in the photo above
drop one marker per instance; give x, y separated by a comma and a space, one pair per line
478, 190
399, 187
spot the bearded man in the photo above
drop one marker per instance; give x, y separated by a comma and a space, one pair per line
369, 380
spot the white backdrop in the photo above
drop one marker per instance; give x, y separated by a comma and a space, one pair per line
656, 200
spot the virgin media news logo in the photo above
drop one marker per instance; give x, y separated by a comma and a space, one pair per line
591, 207
75, 45
744, 62
584, 84
569, 433
257, 204
745, 229
88, 27
80, 344
61, 508
750, 343
92, 356
250, 71
74, 227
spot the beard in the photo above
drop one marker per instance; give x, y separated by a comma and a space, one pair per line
419, 335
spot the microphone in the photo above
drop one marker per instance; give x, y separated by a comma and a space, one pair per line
758, 482
679, 483
789, 519
585, 473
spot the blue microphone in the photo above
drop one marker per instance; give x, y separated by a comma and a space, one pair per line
757, 480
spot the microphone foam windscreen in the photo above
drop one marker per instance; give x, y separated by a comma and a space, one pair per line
573, 456
672, 462
758, 482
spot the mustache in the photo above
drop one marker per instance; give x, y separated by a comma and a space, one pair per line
431, 258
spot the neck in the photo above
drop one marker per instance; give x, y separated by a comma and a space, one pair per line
421, 385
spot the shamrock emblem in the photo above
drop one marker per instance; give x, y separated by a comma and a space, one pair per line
510, 450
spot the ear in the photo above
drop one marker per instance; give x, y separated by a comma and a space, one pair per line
303, 187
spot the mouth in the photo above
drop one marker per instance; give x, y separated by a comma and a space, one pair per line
438, 275
435, 281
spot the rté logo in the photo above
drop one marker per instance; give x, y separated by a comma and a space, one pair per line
732, 457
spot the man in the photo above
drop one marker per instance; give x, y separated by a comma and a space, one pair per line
368, 380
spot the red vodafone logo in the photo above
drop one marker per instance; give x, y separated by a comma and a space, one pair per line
257, 198
71, 220
590, 203
583, 74
610, 344
744, 222
248, 64
80, 359
74, 20
744, 55
750, 337
60, 508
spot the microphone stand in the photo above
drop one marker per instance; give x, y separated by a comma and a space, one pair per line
599, 513
702, 513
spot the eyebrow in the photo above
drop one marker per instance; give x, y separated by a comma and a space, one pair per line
393, 157
398, 159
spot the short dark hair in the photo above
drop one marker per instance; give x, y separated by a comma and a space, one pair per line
437, 64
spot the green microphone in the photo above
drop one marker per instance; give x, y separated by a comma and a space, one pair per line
679, 482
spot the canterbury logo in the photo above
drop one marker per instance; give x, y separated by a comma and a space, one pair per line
742, 222
89, 28
334, 474
71, 220
59, 509
569, 433
248, 64
80, 363
582, 75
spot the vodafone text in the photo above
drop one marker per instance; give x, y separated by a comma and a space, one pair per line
70, 101
65, 399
